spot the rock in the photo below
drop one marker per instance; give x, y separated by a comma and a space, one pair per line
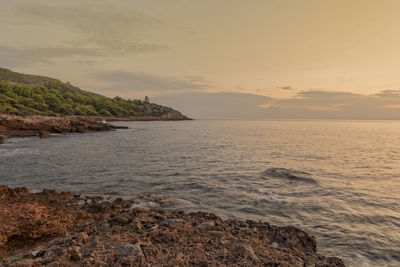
38, 253
52, 254
42, 126
31, 221
100, 207
106, 252
94, 243
44, 134
116, 208
149, 239
117, 127
169, 222
2, 139
251, 253
83, 236
205, 225
121, 219
119, 201
137, 226
292, 238
75, 253
129, 250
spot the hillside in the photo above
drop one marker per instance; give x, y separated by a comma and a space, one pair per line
27, 95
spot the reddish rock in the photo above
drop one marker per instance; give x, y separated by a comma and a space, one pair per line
44, 134
17, 126
62, 229
23, 221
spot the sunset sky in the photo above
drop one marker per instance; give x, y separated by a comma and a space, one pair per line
244, 59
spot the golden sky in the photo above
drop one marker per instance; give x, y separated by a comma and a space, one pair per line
277, 48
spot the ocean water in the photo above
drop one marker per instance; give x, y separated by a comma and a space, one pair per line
338, 180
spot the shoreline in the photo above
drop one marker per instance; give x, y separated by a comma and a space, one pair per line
64, 229
13, 126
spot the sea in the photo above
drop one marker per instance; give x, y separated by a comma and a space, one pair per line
337, 180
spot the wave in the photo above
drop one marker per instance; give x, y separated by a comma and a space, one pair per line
16, 152
289, 174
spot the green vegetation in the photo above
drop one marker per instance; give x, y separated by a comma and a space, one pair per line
51, 99
27, 95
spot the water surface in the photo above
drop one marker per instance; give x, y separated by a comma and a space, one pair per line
338, 180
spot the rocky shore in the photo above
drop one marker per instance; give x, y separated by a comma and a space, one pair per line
64, 229
42, 126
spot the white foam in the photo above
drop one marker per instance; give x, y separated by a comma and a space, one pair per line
146, 205
16, 152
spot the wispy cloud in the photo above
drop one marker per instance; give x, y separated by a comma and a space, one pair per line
396, 106
16, 56
337, 105
126, 82
285, 87
323, 108
310, 104
217, 105
99, 30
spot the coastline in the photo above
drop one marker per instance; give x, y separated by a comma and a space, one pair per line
64, 229
12, 126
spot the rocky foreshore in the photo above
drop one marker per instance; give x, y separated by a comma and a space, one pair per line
42, 126
64, 229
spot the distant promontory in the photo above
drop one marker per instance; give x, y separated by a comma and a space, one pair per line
29, 95
33, 105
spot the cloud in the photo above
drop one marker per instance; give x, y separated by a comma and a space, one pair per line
89, 31
115, 28
24, 56
396, 106
344, 79
310, 104
388, 94
323, 108
285, 87
319, 104
126, 82
216, 105
318, 98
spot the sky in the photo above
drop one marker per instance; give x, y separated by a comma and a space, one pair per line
336, 59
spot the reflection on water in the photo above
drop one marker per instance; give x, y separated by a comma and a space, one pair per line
337, 180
